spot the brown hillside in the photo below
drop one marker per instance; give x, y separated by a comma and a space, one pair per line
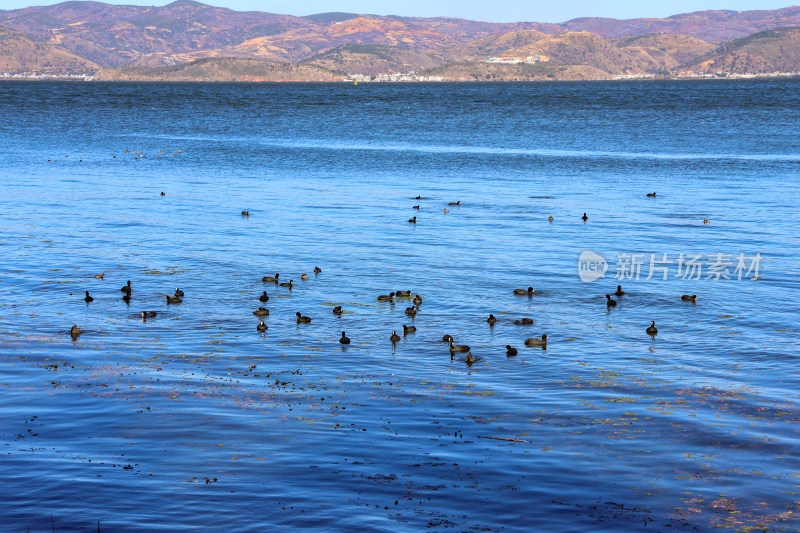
480, 49
112, 35
659, 53
373, 59
296, 45
761, 53
223, 69
185, 31
711, 26
582, 49
19, 55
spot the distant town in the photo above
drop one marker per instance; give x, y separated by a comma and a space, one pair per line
413, 77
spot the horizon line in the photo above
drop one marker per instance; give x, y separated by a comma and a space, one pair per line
147, 4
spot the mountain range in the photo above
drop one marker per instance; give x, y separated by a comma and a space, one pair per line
188, 40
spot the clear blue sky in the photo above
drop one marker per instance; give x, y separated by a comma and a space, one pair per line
487, 10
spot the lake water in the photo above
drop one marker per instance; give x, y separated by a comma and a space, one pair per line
195, 421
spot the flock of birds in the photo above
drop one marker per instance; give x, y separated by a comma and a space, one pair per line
411, 311
413, 220
261, 312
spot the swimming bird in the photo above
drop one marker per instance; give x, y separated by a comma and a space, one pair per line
173, 299
178, 292
411, 311
304, 276
415, 207
584, 217
147, 314
446, 210
402, 294
386, 297
417, 300
245, 213
162, 193
687, 298
413, 220
261, 311
394, 337
100, 276
418, 198
533, 341
455, 203
302, 319
652, 329
288, 285
261, 326
458, 347
651, 194
273, 279
619, 292
550, 218
126, 288
510, 350
88, 298
491, 319
610, 302
317, 270
706, 221
524, 321
75, 331
264, 297
344, 339
447, 338
338, 310
524, 291
409, 329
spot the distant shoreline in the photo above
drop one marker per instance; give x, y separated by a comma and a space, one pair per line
731, 77
188, 41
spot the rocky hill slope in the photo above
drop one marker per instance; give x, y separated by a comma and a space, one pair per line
761, 53
179, 39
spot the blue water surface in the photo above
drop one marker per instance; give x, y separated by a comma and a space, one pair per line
194, 421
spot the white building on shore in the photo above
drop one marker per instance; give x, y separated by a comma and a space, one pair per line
510, 60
